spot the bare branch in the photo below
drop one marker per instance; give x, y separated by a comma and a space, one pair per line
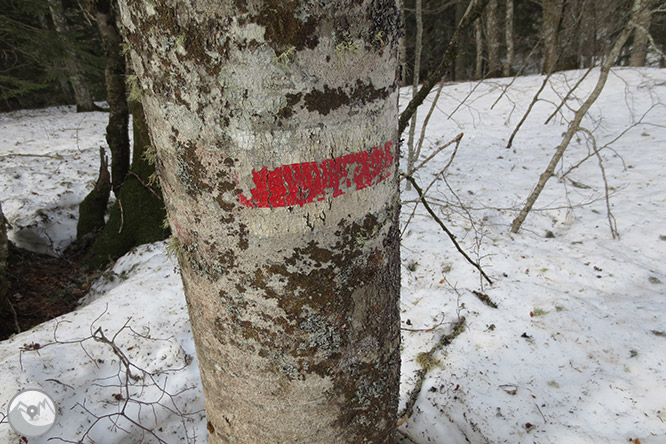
473, 12
446, 230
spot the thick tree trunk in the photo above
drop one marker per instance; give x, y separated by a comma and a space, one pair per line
275, 124
493, 32
116, 93
640, 47
552, 16
508, 36
82, 95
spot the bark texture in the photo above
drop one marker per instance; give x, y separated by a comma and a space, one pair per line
275, 124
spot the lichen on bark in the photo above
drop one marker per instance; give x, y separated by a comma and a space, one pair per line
293, 303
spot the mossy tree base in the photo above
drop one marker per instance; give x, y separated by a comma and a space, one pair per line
138, 215
138, 222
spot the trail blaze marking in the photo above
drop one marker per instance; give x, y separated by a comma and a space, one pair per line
302, 183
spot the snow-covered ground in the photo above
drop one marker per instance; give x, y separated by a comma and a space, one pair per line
575, 351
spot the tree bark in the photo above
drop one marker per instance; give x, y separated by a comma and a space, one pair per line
640, 47
82, 95
508, 36
93, 208
138, 214
275, 124
462, 61
116, 92
552, 16
4, 254
478, 39
404, 69
412, 155
492, 31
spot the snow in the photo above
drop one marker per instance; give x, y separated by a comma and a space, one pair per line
575, 351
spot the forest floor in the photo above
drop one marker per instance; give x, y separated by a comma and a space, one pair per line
42, 287
568, 345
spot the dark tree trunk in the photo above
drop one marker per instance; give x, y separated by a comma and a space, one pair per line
116, 93
4, 253
82, 95
93, 207
138, 215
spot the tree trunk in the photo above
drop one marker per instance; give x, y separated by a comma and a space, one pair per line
508, 36
138, 215
478, 38
418, 46
462, 60
4, 253
640, 47
116, 94
93, 208
82, 95
492, 31
404, 70
552, 15
275, 124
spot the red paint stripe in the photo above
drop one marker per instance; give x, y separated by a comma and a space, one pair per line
302, 183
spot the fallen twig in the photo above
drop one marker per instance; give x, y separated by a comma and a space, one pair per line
421, 373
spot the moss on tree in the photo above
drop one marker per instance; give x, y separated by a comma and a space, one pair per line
137, 216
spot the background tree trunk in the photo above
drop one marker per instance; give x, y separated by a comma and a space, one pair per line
82, 95
492, 31
508, 36
478, 38
404, 69
462, 58
640, 46
552, 16
275, 124
116, 93
412, 155
4, 254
